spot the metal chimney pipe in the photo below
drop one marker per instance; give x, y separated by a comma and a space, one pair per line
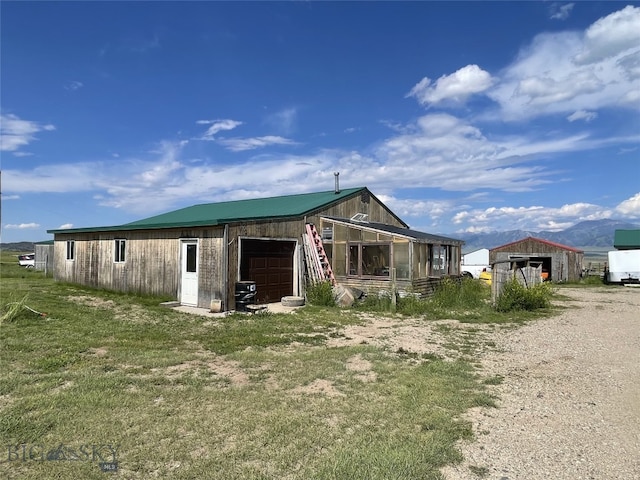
337, 187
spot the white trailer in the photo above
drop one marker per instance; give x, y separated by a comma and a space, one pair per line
474, 263
623, 267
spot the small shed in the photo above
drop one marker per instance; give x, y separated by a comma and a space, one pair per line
626, 239
561, 263
44, 256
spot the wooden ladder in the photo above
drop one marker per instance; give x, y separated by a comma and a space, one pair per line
319, 263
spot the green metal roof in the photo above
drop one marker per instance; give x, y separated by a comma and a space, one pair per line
626, 239
228, 212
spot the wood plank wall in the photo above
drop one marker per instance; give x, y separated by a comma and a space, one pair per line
152, 264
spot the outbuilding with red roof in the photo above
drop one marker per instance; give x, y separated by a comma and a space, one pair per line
560, 263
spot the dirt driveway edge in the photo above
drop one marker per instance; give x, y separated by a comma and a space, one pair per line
569, 405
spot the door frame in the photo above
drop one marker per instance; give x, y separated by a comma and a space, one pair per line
183, 243
296, 258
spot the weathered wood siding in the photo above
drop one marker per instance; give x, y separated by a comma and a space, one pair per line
566, 264
359, 203
291, 230
152, 262
503, 273
44, 258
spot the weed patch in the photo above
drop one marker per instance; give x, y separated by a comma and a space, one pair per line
321, 294
515, 297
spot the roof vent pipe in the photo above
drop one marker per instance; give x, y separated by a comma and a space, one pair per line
337, 187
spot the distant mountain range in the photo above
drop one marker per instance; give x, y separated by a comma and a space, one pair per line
592, 234
589, 235
22, 247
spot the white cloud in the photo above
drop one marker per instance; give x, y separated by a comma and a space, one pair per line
532, 218
630, 207
476, 230
546, 90
429, 153
611, 35
65, 226
582, 115
16, 133
242, 144
630, 65
434, 209
440, 146
73, 85
58, 178
559, 11
566, 72
217, 126
21, 226
284, 121
456, 87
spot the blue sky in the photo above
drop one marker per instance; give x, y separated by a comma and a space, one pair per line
460, 116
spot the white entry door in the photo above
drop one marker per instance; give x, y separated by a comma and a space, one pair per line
189, 277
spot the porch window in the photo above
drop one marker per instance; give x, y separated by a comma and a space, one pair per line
438, 260
71, 249
420, 260
454, 263
401, 259
369, 260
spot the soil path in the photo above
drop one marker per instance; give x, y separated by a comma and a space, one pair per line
569, 404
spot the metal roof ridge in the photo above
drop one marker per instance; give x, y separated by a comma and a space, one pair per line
139, 225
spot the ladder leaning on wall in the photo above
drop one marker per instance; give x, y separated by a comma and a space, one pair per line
318, 266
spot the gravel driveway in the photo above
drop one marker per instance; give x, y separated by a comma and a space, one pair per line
569, 405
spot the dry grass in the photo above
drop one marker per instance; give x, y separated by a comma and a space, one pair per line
246, 397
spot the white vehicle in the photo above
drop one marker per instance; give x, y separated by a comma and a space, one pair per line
474, 263
28, 260
623, 267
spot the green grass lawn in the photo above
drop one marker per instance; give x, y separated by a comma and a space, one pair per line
106, 377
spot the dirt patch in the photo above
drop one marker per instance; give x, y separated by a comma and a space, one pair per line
129, 313
91, 301
362, 368
319, 387
226, 369
415, 337
98, 351
569, 404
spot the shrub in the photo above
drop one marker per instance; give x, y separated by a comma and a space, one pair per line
591, 280
450, 296
375, 302
412, 304
466, 293
321, 294
515, 296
